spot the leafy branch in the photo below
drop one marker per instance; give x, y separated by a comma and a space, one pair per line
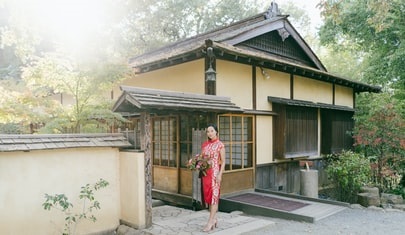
61, 203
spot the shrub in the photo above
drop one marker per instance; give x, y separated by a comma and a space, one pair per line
380, 135
61, 202
348, 172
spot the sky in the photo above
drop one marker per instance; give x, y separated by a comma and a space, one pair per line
73, 22
309, 5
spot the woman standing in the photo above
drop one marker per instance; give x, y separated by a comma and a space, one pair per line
213, 149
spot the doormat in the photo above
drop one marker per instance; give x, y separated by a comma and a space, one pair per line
268, 201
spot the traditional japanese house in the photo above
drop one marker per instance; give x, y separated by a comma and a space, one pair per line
271, 97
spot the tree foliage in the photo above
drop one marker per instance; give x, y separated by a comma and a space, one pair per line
152, 23
380, 135
348, 172
38, 68
373, 32
373, 29
41, 66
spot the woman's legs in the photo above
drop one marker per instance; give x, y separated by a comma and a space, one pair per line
212, 220
213, 213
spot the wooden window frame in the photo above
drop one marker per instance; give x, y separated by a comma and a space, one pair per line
165, 145
186, 124
294, 137
230, 143
336, 131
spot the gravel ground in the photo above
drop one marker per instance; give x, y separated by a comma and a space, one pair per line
355, 220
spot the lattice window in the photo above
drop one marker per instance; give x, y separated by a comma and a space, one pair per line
271, 43
164, 141
236, 132
188, 146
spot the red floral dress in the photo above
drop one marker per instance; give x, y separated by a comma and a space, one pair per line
212, 149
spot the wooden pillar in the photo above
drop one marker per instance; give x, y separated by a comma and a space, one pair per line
146, 144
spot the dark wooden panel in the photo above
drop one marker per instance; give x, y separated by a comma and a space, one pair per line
165, 179
279, 177
336, 129
265, 177
237, 181
293, 177
186, 182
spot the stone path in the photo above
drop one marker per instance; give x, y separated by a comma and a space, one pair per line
170, 220
173, 220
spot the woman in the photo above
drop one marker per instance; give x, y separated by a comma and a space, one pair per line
213, 149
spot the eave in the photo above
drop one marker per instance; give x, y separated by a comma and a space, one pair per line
225, 43
231, 53
13, 143
235, 54
303, 103
136, 100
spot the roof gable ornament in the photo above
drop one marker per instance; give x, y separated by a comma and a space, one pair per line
272, 12
283, 33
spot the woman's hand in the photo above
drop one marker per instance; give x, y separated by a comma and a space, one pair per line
219, 178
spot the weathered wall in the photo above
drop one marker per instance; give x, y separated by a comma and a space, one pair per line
264, 141
25, 177
344, 96
312, 90
278, 85
235, 81
187, 77
132, 185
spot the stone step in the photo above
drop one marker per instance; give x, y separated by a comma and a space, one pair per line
245, 228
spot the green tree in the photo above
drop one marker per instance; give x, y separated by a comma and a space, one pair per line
43, 65
153, 23
37, 66
375, 30
380, 135
88, 84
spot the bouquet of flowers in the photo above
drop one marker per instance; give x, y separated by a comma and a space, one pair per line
199, 163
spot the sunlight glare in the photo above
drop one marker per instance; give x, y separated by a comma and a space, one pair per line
71, 23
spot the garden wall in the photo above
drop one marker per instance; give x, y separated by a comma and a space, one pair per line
26, 176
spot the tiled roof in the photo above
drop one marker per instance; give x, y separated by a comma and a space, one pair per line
10, 143
197, 42
231, 43
135, 99
304, 103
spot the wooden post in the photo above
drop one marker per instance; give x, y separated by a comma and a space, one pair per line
146, 144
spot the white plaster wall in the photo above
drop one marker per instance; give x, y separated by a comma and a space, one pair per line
312, 90
235, 81
343, 96
132, 175
25, 177
187, 77
278, 85
264, 139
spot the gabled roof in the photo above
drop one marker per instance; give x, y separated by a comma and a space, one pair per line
135, 99
268, 42
234, 35
10, 143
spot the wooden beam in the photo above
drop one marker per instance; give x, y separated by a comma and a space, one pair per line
146, 145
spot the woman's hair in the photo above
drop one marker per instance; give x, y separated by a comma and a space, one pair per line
213, 126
